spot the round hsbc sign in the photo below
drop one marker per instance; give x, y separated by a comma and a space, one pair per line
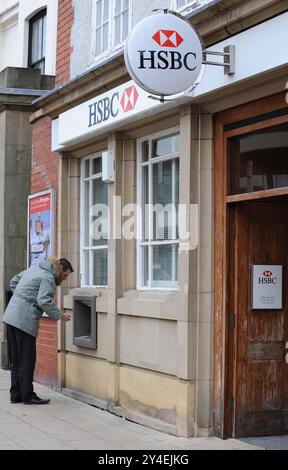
164, 54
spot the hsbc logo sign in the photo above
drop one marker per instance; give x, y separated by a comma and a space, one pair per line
167, 38
267, 287
112, 105
164, 54
163, 59
129, 99
267, 278
123, 104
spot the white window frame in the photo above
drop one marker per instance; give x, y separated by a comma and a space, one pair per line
111, 31
188, 4
95, 2
91, 248
150, 243
120, 44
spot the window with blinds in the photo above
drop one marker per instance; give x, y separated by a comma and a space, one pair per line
159, 200
94, 246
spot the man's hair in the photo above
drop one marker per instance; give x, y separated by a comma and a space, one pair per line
66, 264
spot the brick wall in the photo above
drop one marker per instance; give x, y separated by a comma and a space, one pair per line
64, 49
46, 365
45, 171
45, 176
44, 162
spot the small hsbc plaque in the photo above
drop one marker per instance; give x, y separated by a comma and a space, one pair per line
267, 287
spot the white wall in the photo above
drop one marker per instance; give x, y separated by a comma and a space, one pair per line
8, 33
14, 31
8, 55
5, 4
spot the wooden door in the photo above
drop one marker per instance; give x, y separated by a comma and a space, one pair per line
260, 372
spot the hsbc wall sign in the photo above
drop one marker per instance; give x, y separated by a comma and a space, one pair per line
106, 107
267, 287
118, 105
164, 54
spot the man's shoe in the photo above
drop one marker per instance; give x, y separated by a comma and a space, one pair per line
16, 400
36, 401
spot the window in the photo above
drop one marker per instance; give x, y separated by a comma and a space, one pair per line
102, 26
111, 20
182, 4
94, 244
258, 160
37, 41
121, 11
158, 186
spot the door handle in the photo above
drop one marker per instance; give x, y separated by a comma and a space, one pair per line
286, 349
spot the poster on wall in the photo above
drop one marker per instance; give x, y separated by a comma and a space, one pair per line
40, 227
267, 287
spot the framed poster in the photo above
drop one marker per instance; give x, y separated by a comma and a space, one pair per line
40, 239
267, 286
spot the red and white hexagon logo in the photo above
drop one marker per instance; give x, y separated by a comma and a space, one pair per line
167, 38
267, 274
129, 98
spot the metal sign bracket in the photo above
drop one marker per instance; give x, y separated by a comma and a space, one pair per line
229, 59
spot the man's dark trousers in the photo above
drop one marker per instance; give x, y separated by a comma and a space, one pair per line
22, 354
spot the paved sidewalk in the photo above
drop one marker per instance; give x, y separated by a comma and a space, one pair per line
70, 424
268, 442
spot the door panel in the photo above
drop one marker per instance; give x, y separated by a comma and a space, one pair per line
260, 371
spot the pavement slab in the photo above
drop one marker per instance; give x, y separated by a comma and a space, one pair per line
268, 442
68, 424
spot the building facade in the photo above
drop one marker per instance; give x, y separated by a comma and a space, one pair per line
167, 336
26, 72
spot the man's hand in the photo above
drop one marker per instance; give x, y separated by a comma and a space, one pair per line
66, 317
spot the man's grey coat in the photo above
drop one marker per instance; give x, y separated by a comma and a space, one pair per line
33, 294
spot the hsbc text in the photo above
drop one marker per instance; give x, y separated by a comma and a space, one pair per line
163, 60
267, 280
101, 110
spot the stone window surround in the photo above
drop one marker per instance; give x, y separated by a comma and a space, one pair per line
134, 301
131, 292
